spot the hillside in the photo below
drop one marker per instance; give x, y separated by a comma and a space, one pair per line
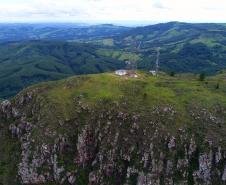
105, 129
58, 31
185, 47
26, 63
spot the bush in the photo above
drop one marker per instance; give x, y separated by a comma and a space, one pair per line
217, 86
145, 96
202, 76
172, 73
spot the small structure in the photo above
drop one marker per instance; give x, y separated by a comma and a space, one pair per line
154, 73
132, 75
121, 72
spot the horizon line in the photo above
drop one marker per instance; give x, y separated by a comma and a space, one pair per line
98, 22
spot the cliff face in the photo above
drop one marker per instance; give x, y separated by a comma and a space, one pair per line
110, 143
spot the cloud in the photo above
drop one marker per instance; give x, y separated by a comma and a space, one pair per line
117, 10
159, 4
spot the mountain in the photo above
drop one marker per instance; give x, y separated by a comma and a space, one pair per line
29, 62
60, 31
185, 47
106, 129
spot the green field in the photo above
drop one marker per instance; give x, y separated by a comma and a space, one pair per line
146, 92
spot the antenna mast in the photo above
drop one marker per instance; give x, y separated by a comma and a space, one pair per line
157, 61
133, 62
138, 51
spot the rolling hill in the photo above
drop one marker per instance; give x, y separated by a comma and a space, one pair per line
106, 129
184, 47
58, 31
26, 63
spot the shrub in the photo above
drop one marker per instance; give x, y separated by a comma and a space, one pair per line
172, 73
217, 86
202, 76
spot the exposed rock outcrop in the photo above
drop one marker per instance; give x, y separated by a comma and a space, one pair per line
110, 147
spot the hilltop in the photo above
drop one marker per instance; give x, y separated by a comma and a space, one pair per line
106, 129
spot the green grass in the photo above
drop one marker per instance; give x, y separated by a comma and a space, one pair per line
163, 89
141, 94
210, 42
8, 168
146, 96
108, 42
165, 104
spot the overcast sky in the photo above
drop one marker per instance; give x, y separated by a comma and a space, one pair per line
109, 11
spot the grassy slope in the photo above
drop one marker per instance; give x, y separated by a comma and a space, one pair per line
164, 103
8, 167
26, 63
183, 93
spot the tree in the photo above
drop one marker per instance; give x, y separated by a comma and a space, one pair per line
172, 73
218, 86
202, 76
145, 96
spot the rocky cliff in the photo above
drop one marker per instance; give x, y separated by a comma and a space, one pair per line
80, 131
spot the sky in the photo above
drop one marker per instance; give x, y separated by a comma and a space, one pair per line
112, 11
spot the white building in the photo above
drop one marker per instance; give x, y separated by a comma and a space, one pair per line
121, 72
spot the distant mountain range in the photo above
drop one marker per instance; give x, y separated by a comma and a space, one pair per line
63, 31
